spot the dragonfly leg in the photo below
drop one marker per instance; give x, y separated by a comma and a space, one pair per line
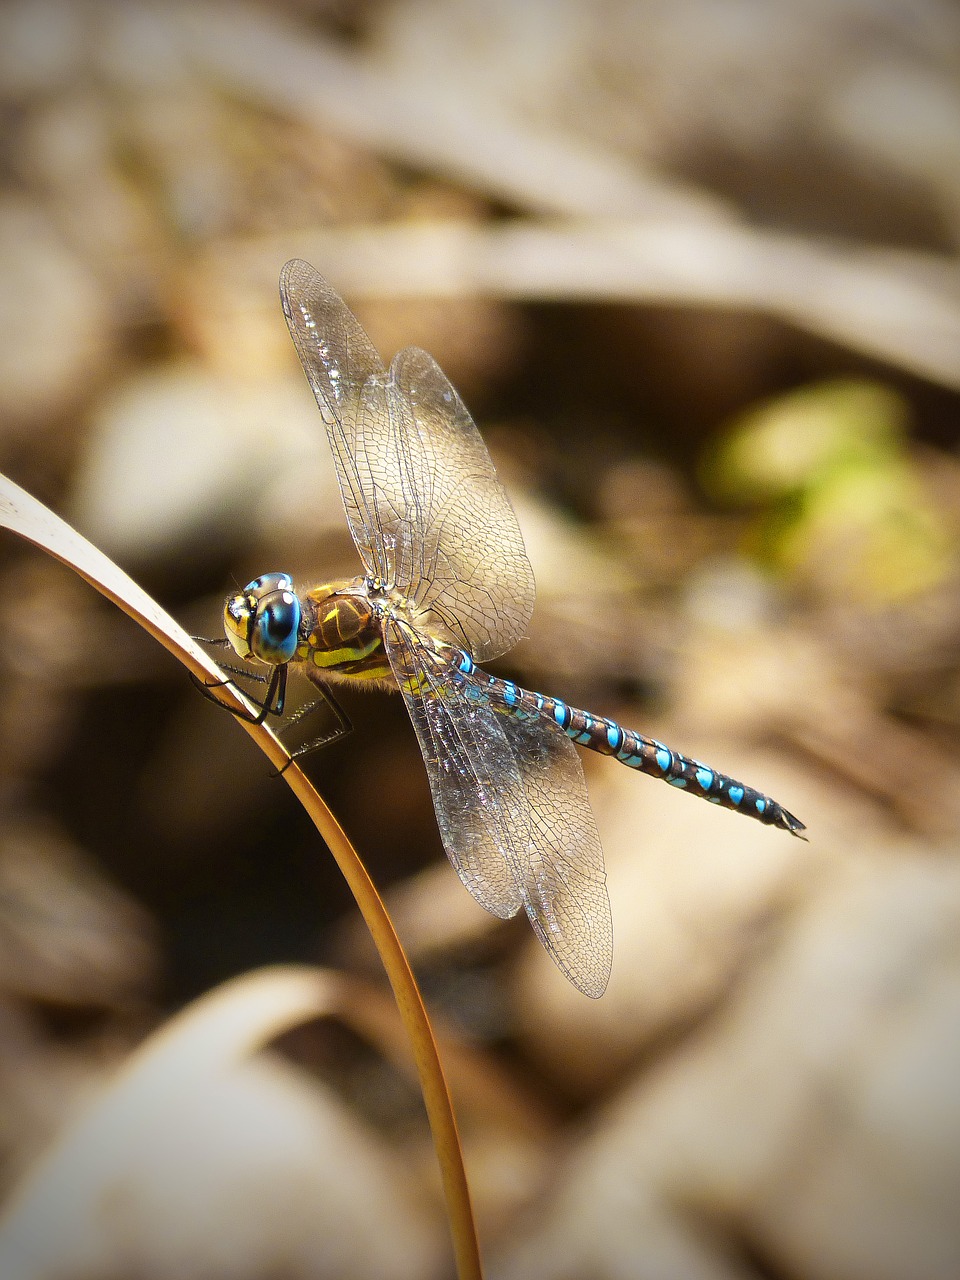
342, 727
272, 703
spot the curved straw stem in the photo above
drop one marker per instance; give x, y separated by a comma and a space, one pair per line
24, 515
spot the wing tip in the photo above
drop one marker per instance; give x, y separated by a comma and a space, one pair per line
296, 275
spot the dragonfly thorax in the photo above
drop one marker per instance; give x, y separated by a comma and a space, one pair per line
341, 631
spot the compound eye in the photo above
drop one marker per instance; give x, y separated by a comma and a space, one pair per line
262, 621
276, 624
267, 583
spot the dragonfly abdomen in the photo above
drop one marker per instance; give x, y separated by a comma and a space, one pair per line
660, 761
636, 751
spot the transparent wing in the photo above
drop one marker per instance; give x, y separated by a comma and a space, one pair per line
422, 498
348, 379
474, 779
512, 807
565, 886
463, 554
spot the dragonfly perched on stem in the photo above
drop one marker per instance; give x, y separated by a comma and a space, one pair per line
446, 584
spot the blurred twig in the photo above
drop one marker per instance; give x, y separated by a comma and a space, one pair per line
418, 122
220, 1028
645, 238
902, 307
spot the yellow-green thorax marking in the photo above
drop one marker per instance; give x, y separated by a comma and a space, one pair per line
341, 633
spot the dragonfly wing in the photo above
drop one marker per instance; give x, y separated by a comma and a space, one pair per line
348, 379
514, 816
564, 888
462, 553
474, 780
422, 498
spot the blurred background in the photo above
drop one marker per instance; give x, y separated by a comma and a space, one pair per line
693, 266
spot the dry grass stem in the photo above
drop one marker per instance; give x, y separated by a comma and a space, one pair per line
24, 515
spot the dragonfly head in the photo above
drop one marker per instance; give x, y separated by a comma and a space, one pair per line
263, 620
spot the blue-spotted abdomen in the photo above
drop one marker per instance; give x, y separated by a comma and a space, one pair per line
646, 755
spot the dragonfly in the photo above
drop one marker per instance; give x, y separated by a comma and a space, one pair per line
447, 585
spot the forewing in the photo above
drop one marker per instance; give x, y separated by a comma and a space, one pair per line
512, 807
349, 381
459, 551
422, 498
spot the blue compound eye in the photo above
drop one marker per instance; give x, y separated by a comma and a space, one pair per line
275, 626
266, 583
262, 620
